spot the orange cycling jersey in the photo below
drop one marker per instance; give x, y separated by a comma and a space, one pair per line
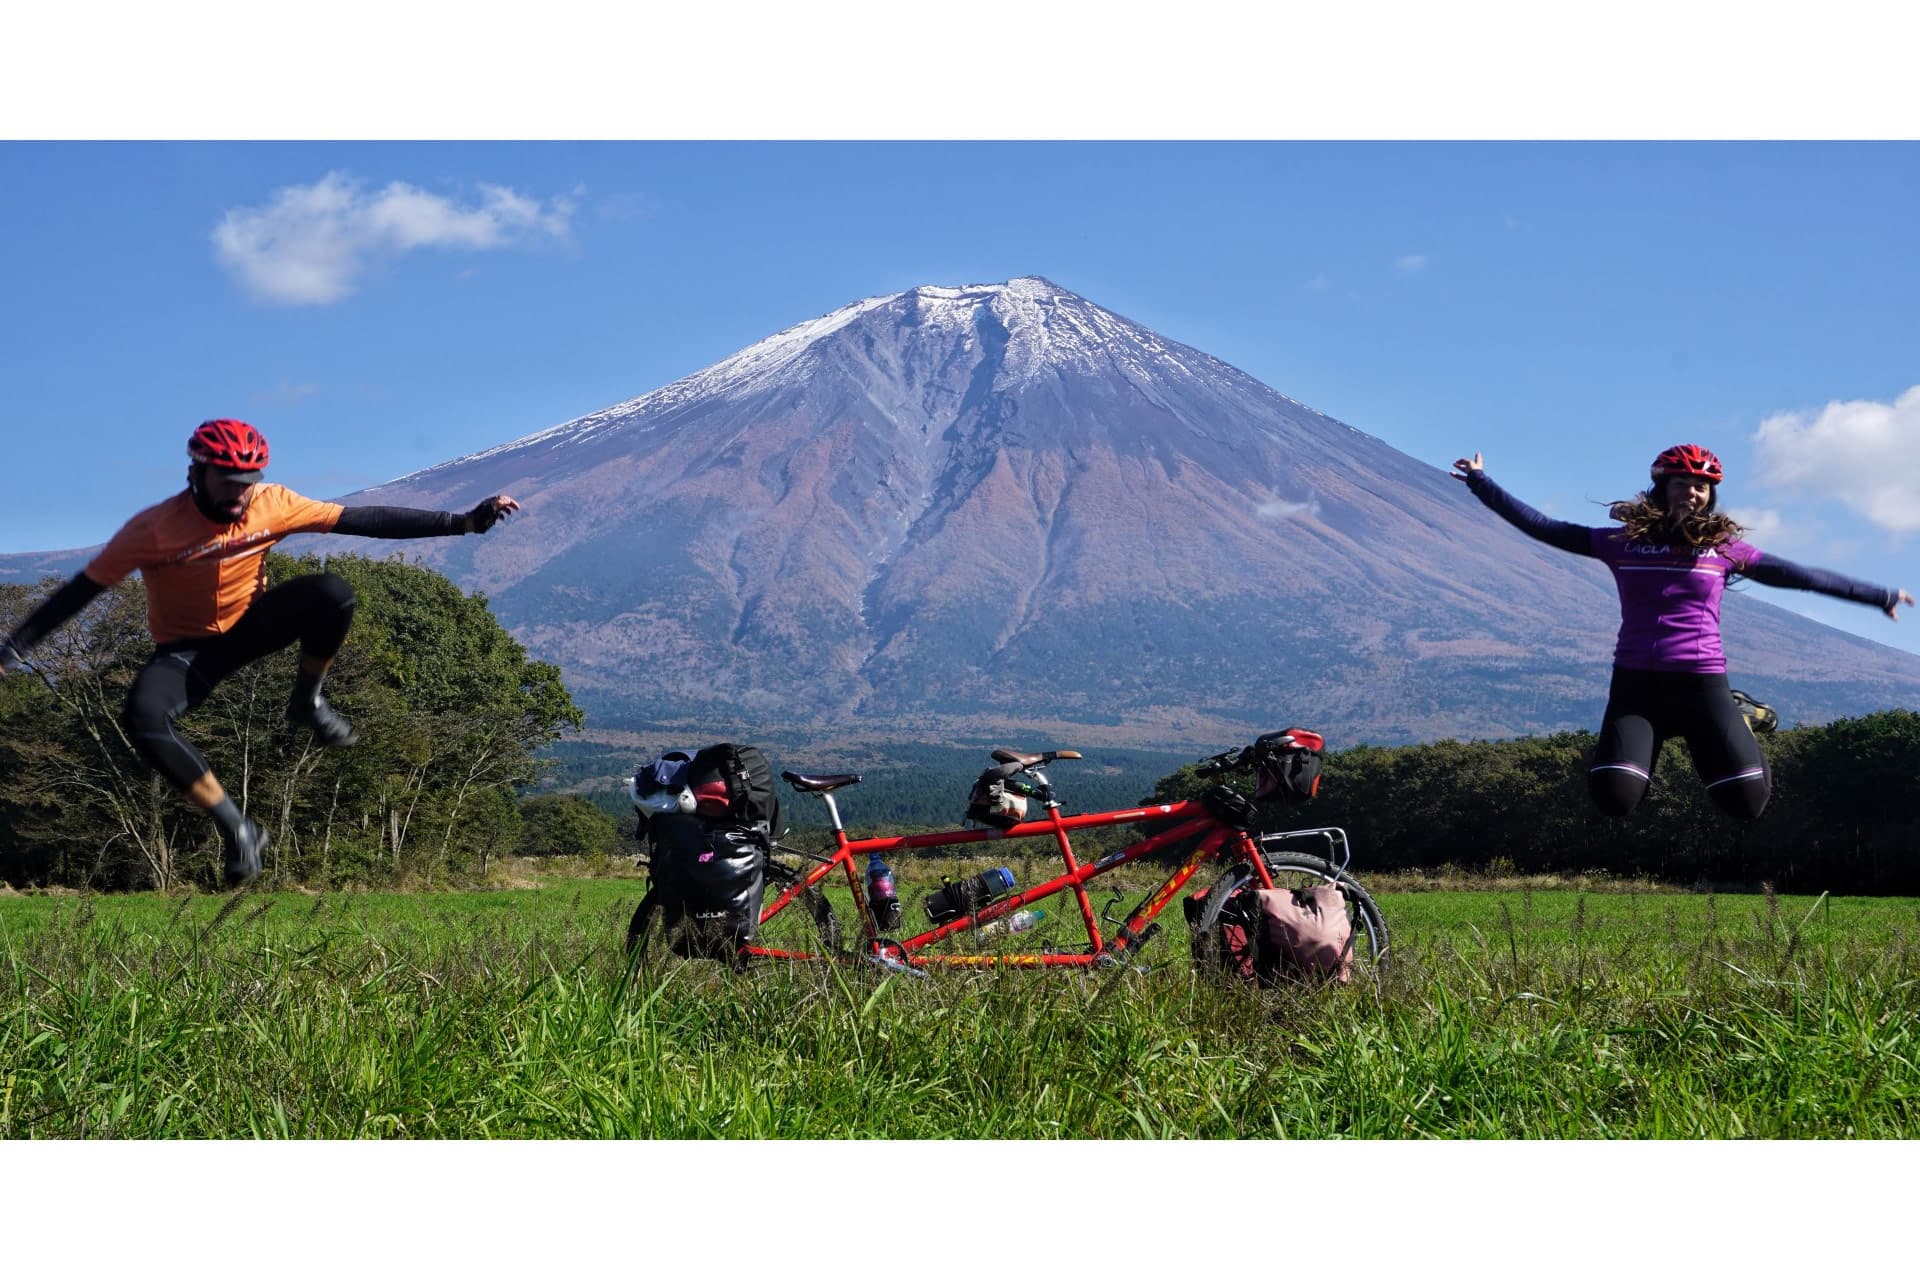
201, 576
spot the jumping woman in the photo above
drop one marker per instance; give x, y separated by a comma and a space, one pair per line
1671, 555
202, 554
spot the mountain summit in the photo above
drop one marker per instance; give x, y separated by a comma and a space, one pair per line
1004, 511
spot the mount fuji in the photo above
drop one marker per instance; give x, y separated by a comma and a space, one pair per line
1002, 511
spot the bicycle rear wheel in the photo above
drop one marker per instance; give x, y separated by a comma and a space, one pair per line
1295, 871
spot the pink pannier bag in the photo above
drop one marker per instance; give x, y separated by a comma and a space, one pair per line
1308, 931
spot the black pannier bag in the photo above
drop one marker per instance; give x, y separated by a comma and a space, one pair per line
711, 879
709, 865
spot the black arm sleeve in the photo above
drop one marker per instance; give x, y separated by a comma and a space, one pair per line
1772, 571
399, 522
71, 598
1555, 533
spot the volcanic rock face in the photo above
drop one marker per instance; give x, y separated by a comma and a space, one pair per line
1003, 510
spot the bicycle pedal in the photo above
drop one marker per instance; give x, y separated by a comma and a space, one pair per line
895, 966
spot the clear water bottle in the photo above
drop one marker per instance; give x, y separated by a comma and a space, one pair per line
881, 897
1018, 922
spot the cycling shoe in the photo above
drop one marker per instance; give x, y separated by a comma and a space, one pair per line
330, 728
243, 854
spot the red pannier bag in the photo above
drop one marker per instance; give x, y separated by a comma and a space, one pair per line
1234, 954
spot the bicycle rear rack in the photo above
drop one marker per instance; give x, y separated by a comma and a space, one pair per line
1339, 852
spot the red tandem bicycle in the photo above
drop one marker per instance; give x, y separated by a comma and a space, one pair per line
798, 923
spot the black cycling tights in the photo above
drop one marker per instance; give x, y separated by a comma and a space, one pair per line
316, 610
1644, 709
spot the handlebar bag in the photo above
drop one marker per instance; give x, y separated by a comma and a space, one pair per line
1287, 766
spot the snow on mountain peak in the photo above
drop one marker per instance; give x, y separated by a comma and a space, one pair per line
1047, 327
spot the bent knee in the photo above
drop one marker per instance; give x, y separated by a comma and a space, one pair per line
1617, 789
1742, 796
334, 590
147, 716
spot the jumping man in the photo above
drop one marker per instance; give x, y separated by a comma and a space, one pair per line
202, 553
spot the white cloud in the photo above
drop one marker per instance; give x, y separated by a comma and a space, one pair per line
1770, 530
1860, 453
288, 393
1281, 509
1411, 261
312, 244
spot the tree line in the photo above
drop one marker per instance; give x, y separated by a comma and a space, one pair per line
450, 710
455, 721
1841, 817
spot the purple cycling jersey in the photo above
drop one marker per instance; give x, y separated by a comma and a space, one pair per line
1670, 595
1669, 599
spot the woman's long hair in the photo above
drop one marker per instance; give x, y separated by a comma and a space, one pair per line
1646, 520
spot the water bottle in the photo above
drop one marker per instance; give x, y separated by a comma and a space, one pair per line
954, 900
881, 897
1018, 922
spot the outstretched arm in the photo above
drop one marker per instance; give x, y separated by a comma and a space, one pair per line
407, 522
52, 614
1772, 571
1555, 533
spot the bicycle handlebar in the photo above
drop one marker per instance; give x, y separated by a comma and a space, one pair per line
1224, 761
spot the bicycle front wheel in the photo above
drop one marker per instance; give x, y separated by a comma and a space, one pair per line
1297, 871
806, 928
643, 931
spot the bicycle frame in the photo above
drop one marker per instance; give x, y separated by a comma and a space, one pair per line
1190, 818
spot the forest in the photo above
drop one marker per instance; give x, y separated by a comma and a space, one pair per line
464, 757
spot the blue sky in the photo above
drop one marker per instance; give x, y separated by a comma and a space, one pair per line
1567, 308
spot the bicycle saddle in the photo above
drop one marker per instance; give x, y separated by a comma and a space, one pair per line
1028, 759
825, 782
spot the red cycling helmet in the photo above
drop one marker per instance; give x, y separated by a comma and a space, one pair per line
1687, 460
229, 444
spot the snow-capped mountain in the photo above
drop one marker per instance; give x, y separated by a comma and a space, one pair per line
1002, 510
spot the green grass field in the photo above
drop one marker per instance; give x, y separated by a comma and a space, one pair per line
1509, 1013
